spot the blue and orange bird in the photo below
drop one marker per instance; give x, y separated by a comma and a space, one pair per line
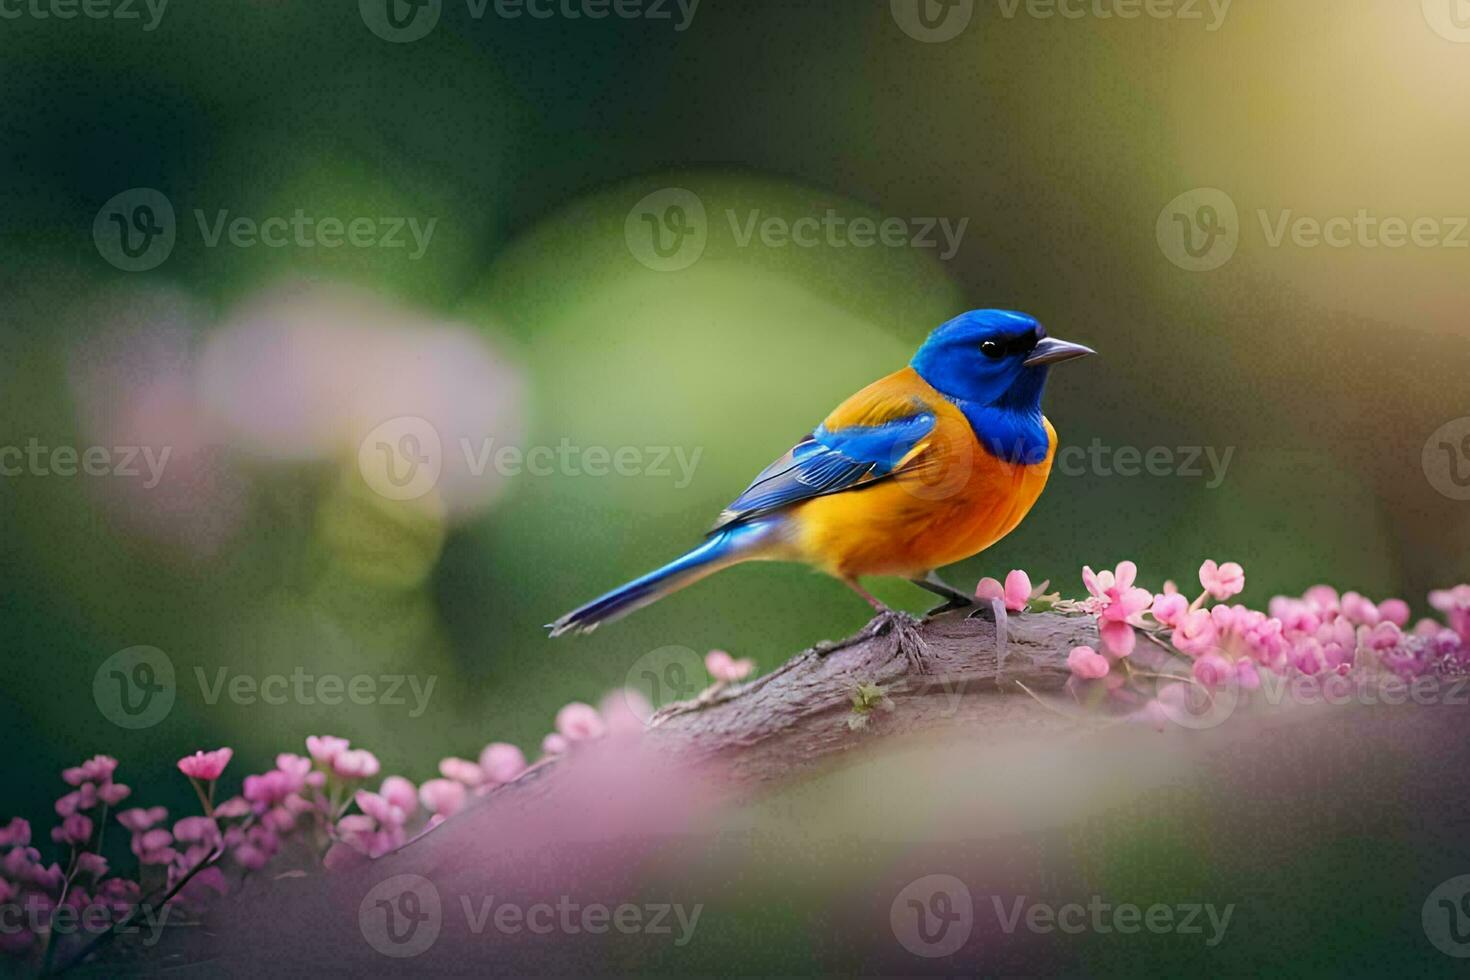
921, 469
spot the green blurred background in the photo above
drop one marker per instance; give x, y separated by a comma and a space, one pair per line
529, 143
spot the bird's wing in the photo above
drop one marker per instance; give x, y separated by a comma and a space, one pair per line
871, 436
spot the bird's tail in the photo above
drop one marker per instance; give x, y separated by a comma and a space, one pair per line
720, 550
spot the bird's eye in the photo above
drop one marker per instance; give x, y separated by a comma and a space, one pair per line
992, 350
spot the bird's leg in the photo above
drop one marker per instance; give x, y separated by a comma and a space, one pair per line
903, 627
956, 599
991, 609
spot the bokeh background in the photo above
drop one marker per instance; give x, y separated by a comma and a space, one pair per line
535, 317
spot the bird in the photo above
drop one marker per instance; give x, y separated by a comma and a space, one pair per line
923, 468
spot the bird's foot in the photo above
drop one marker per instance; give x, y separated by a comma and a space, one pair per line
990, 609
902, 627
993, 610
960, 602
955, 600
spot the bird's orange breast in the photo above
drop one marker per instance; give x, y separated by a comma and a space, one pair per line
949, 499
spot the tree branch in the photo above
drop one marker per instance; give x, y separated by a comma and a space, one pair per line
799, 714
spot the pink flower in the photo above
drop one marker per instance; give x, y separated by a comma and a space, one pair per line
75, 830
726, 669
152, 840
1323, 597
325, 748
1358, 610
401, 793
1306, 655
501, 762
578, 722
461, 771
1455, 604
114, 793
355, 764
1169, 608
76, 801
1222, 581
48, 879
625, 711
1247, 676
362, 835
118, 894
1339, 642
1087, 663
253, 848
201, 889
296, 767
280, 819
1428, 627
1195, 634
235, 806
1114, 596
1118, 637
1016, 592
92, 865
1380, 638
1395, 611
137, 820
1296, 615
206, 766
380, 809
17, 833
269, 788
1228, 618
17, 864
1213, 670
443, 797
98, 769
197, 830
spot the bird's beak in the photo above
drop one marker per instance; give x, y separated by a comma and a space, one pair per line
1050, 350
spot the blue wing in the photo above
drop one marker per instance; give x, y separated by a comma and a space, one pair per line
827, 462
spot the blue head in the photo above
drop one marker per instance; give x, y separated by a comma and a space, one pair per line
992, 358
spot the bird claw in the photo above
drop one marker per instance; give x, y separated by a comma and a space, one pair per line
993, 610
953, 605
903, 627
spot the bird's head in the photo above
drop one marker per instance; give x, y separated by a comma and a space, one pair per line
992, 357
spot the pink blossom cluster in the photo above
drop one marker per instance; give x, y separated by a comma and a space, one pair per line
77, 889
1321, 633
389, 816
622, 713
328, 803
726, 669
